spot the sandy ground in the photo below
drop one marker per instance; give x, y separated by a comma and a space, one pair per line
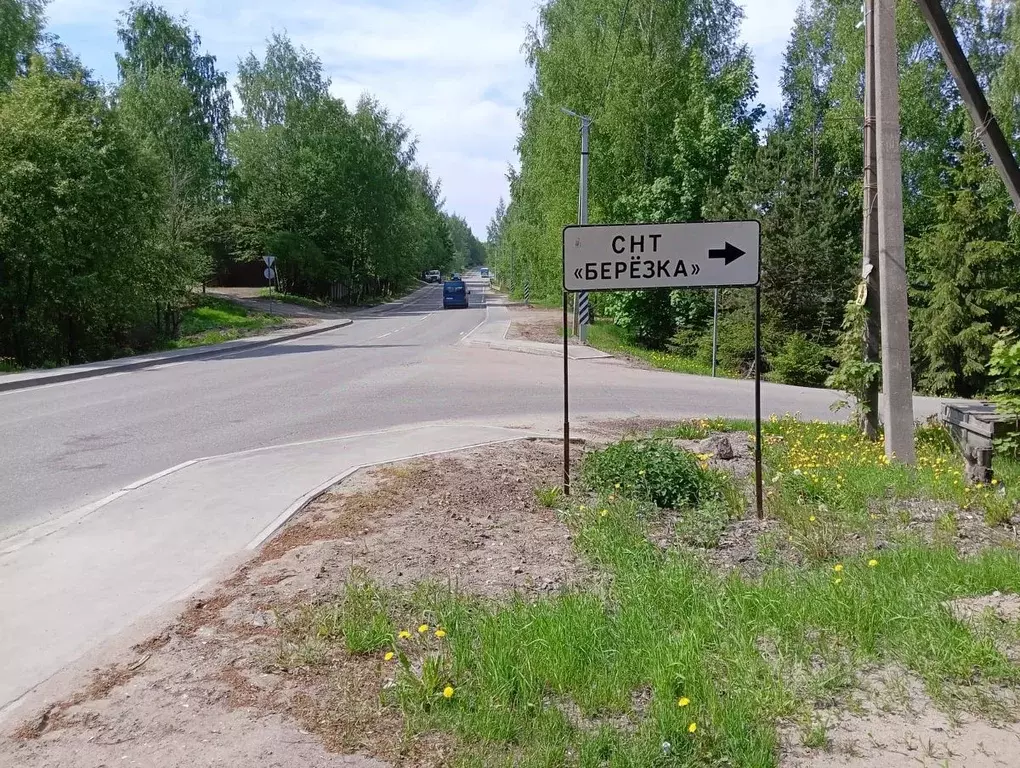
224, 686
537, 324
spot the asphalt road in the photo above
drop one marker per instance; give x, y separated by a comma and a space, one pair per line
67, 445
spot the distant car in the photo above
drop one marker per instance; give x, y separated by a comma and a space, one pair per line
456, 276
455, 294
484, 271
433, 276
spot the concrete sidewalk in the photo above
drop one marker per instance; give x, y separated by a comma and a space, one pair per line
69, 584
492, 334
88, 370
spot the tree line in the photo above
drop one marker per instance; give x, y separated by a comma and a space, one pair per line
678, 135
116, 201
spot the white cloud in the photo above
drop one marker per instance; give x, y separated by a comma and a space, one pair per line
452, 68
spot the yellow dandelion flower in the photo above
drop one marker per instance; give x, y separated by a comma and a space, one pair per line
692, 728
617, 486
838, 567
811, 519
604, 512
440, 633
404, 634
683, 701
423, 629
837, 582
388, 656
872, 563
448, 692
995, 481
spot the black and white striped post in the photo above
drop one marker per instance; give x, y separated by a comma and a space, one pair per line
583, 309
527, 293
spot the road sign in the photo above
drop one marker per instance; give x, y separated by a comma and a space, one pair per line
269, 260
269, 273
627, 257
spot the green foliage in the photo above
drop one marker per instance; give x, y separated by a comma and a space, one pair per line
20, 31
1005, 367
468, 251
377, 218
115, 205
613, 339
653, 470
963, 281
800, 361
854, 375
76, 214
656, 151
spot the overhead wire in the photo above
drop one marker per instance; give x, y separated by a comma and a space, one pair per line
616, 51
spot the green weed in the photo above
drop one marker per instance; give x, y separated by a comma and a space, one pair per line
549, 496
653, 470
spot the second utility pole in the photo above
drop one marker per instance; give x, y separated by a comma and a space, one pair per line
869, 267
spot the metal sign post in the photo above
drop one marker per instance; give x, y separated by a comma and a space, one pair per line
633, 257
270, 274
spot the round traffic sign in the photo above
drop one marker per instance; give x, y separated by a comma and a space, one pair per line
269, 273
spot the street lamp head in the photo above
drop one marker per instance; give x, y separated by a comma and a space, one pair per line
569, 112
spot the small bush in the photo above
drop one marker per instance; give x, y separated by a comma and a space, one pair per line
654, 470
801, 362
736, 344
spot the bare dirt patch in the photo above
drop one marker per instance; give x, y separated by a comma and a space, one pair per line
890, 721
537, 324
211, 689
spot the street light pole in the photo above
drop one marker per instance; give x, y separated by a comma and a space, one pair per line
581, 323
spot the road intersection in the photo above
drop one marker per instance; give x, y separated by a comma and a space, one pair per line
122, 492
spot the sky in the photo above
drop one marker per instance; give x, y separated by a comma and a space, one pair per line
452, 69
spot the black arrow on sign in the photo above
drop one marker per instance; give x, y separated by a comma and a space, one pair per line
730, 253
577, 273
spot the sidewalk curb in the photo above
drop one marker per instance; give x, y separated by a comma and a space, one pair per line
240, 345
509, 346
305, 499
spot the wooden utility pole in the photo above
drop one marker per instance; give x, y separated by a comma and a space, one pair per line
869, 266
897, 384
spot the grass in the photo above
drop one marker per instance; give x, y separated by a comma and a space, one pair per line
212, 321
611, 338
669, 663
832, 473
7, 365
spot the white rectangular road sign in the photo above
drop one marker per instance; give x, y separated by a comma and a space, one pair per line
626, 257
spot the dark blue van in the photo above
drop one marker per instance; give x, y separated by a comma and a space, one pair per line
455, 294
